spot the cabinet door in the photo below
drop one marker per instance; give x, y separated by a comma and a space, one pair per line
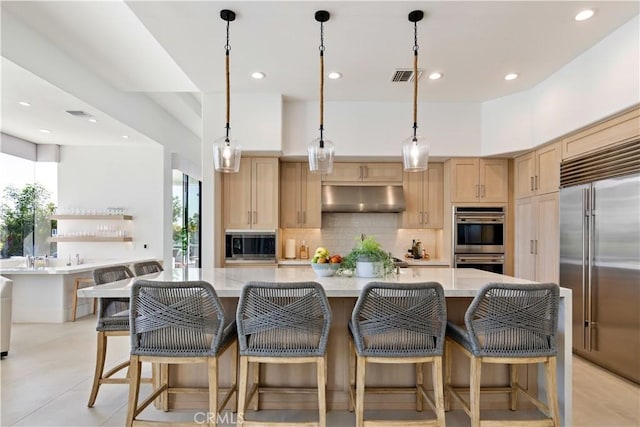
310, 198
464, 180
264, 193
525, 172
494, 180
382, 172
526, 224
434, 196
344, 172
237, 197
547, 178
290, 215
413, 198
547, 247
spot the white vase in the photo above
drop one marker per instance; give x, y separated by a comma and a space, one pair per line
369, 269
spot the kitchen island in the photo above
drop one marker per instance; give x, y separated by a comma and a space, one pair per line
460, 286
44, 294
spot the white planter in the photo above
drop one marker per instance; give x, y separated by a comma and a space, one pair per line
369, 269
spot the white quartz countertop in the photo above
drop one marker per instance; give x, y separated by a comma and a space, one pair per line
228, 282
410, 261
71, 269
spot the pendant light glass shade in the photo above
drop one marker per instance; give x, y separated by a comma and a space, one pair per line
321, 156
226, 156
415, 154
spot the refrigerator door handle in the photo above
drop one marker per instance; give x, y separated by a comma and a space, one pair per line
591, 231
585, 261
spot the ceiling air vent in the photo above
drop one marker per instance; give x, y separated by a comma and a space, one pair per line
78, 113
401, 75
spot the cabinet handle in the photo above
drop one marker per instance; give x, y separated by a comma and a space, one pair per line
255, 217
304, 217
365, 172
537, 187
249, 217
425, 221
536, 247
298, 217
482, 189
477, 191
531, 183
531, 247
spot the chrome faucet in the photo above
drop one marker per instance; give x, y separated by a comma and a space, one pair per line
77, 259
30, 261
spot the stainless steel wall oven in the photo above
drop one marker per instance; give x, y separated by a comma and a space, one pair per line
479, 238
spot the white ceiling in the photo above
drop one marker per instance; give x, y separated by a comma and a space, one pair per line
164, 47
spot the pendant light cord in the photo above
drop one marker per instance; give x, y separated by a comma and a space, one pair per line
321, 48
415, 79
227, 48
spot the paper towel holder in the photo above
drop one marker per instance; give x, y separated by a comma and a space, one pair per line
290, 249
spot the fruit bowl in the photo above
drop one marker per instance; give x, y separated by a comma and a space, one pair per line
326, 269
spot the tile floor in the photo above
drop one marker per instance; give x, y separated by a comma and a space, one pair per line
46, 379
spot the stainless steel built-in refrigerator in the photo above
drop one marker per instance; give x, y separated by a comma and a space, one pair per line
600, 262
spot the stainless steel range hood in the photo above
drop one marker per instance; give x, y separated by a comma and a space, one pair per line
348, 198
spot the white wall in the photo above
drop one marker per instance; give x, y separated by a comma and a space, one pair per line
378, 128
129, 177
600, 82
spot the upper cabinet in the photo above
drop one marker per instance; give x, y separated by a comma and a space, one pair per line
538, 172
300, 204
250, 195
386, 173
424, 198
479, 180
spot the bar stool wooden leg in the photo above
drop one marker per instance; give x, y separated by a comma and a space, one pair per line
256, 382
419, 382
513, 383
322, 399
100, 357
212, 365
242, 389
448, 361
74, 300
352, 374
134, 390
438, 389
476, 374
360, 382
552, 390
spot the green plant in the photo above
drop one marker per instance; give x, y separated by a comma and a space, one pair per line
367, 249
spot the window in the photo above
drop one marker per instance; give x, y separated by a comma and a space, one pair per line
186, 220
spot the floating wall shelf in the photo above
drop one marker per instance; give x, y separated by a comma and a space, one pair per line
100, 217
90, 239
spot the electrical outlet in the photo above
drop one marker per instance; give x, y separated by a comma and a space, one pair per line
145, 246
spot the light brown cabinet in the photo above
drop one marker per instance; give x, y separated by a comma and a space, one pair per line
479, 180
365, 172
537, 248
424, 198
250, 195
300, 204
538, 172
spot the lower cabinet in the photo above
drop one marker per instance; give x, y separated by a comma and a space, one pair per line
537, 248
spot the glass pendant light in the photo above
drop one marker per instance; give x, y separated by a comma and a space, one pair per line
226, 156
415, 149
320, 149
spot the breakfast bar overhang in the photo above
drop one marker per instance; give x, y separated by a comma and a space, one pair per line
460, 286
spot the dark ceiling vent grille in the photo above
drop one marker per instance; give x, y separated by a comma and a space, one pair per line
402, 75
78, 113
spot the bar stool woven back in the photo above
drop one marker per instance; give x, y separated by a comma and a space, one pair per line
113, 320
147, 267
398, 323
282, 323
510, 324
175, 323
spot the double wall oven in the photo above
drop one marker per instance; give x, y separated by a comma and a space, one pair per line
479, 238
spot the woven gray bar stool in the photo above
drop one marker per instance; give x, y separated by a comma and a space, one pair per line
282, 323
113, 320
395, 323
509, 324
175, 323
147, 267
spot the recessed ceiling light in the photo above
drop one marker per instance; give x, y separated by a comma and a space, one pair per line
45, 131
93, 120
435, 76
125, 136
24, 104
334, 75
583, 15
511, 76
258, 75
